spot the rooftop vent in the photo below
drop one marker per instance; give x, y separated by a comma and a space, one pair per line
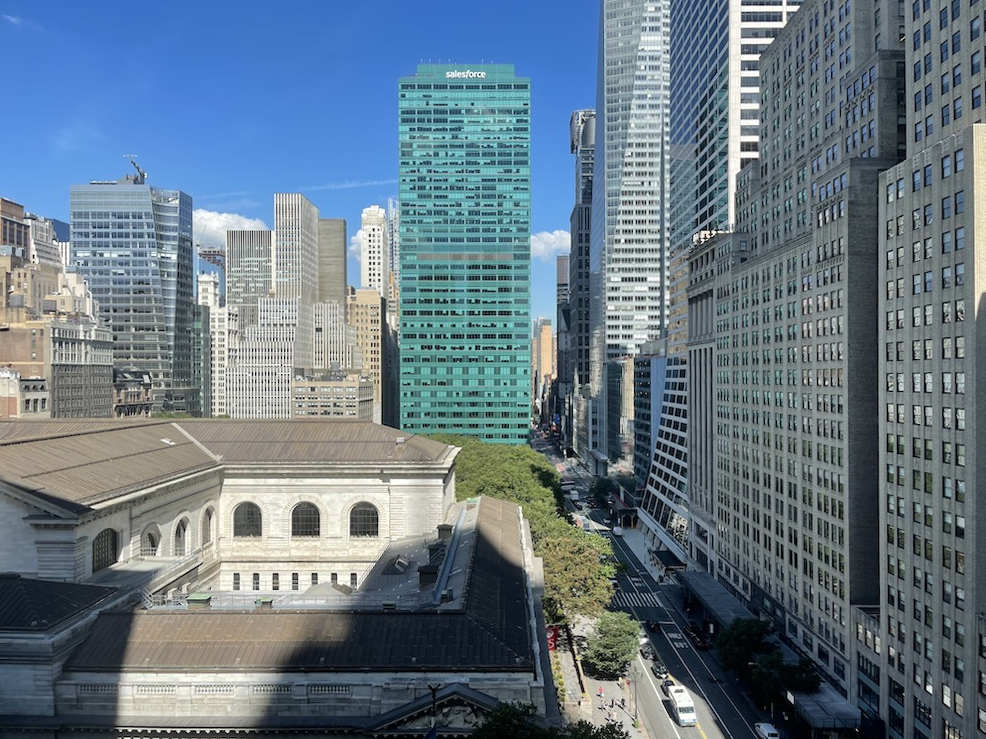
444, 531
401, 563
447, 596
400, 439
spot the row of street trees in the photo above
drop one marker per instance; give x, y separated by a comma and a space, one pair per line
577, 565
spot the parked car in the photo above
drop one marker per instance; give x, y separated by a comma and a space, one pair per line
766, 731
647, 651
666, 686
659, 669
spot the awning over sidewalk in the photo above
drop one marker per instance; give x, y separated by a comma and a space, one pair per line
826, 709
722, 605
668, 559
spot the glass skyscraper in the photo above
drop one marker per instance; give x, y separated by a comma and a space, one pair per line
133, 244
465, 217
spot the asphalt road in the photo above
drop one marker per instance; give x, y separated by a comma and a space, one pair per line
723, 711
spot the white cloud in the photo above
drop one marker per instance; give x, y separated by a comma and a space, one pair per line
15, 19
209, 227
355, 244
546, 245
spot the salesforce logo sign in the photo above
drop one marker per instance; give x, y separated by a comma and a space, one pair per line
464, 74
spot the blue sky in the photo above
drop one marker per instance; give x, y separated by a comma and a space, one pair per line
232, 102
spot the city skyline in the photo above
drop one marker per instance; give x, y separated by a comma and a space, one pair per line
231, 169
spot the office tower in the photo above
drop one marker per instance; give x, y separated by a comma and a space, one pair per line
296, 253
259, 380
334, 343
202, 357
133, 244
583, 432
332, 260
714, 131
212, 260
629, 224
792, 408
336, 394
931, 467
366, 312
51, 341
223, 337
649, 368
249, 272
542, 355
44, 247
374, 250
394, 265
561, 389
465, 347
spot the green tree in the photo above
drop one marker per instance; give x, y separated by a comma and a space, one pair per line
613, 644
738, 643
518, 722
577, 565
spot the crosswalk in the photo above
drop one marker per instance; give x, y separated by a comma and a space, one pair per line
636, 600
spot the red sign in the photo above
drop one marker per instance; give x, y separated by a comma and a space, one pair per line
552, 637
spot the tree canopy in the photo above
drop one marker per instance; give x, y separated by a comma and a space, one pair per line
613, 644
577, 564
517, 722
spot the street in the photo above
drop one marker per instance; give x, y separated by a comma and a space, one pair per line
723, 711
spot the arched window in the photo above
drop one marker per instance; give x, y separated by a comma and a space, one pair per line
304, 520
149, 541
207, 526
246, 520
104, 550
363, 520
181, 531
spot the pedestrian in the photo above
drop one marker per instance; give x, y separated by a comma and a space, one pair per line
600, 689
623, 703
612, 702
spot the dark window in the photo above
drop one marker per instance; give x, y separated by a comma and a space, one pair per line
363, 520
246, 520
294, 580
256, 581
236, 581
314, 578
335, 578
104, 550
352, 579
275, 581
207, 527
181, 531
304, 520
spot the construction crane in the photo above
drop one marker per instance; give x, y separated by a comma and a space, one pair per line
141, 174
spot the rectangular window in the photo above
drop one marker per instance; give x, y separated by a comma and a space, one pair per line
960, 238
236, 581
314, 578
256, 581
352, 580
959, 160
294, 580
275, 581
960, 202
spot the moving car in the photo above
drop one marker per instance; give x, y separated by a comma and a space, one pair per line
682, 707
766, 731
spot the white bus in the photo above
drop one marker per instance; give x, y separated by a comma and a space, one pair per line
682, 706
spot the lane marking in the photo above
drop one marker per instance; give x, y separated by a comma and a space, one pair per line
661, 709
624, 548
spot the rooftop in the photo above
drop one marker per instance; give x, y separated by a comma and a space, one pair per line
486, 630
36, 605
77, 464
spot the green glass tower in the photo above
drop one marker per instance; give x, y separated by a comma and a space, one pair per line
465, 235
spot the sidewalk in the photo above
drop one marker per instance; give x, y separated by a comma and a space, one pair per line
591, 706
636, 541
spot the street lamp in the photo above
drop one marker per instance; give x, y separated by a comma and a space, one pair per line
633, 678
